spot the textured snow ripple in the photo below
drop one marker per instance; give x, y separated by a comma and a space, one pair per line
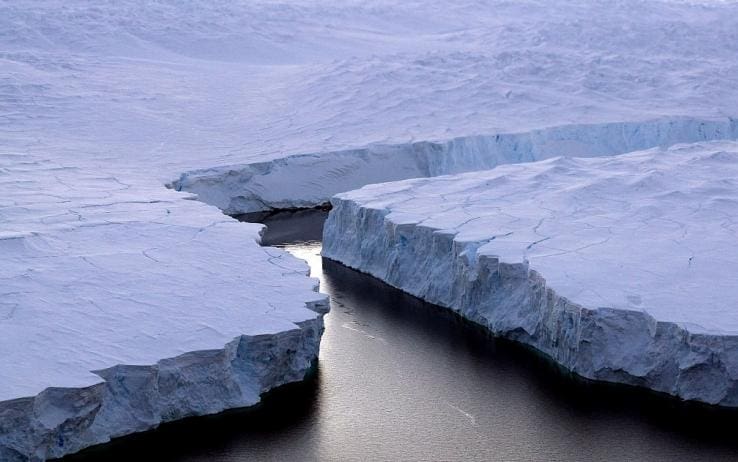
621, 269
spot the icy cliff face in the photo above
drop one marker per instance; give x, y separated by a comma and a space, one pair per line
621, 269
124, 305
134, 398
312, 179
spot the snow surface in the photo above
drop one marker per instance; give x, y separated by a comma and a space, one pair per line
178, 86
108, 278
634, 254
101, 104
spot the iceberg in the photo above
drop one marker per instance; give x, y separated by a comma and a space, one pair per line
621, 269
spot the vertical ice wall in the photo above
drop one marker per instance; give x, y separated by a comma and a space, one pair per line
135, 398
312, 179
621, 269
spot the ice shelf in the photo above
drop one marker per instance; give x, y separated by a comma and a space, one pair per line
123, 306
113, 289
309, 180
257, 118
621, 269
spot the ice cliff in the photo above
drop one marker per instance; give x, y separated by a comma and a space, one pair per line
124, 305
311, 179
621, 269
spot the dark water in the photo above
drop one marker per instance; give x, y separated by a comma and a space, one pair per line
402, 380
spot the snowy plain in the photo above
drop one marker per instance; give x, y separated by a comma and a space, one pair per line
103, 104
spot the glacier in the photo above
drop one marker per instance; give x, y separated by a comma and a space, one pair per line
109, 282
621, 269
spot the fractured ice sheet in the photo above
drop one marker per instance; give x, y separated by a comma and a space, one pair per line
99, 276
622, 268
101, 105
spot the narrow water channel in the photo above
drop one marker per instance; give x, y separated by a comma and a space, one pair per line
399, 379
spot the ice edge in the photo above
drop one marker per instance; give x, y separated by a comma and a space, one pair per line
135, 398
513, 301
310, 180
